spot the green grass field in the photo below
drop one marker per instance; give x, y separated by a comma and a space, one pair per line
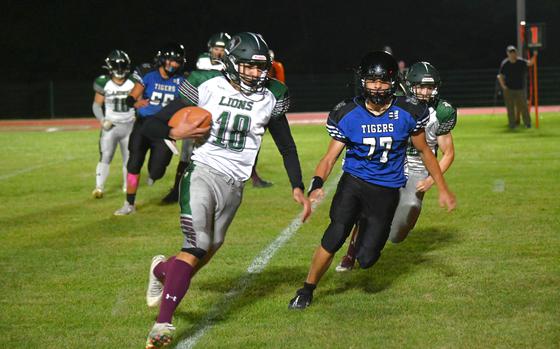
485, 276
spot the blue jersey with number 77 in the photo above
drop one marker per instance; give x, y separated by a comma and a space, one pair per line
376, 144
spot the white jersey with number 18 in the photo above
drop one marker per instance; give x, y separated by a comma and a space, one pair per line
238, 120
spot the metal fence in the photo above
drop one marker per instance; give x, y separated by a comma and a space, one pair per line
317, 92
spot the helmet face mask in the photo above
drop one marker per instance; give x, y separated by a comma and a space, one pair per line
247, 62
423, 81
118, 64
171, 52
378, 66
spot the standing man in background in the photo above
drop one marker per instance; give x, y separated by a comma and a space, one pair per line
117, 118
513, 80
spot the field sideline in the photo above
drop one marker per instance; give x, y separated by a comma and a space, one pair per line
484, 276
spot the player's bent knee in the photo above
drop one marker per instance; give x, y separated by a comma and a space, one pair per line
399, 235
216, 246
335, 236
368, 260
195, 251
157, 173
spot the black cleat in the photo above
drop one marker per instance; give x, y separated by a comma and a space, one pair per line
261, 184
171, 197
302, 299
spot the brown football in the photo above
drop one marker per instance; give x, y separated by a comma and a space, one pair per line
191, 115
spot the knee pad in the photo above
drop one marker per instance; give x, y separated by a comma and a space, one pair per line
195, 251
334, 236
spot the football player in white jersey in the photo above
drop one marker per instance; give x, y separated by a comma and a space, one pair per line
422, 81
212, 60
117, 118
242, 101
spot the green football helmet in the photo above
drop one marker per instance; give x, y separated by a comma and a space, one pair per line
247, 49
423, 74
117, 63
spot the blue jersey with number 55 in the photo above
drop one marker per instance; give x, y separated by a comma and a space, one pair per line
157, 90
376, 144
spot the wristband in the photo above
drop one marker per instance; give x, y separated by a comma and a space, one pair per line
316, 183
130, 101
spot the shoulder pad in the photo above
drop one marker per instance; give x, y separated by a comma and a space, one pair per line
100, 82
341, 109
278, 88
198, 77
410, 104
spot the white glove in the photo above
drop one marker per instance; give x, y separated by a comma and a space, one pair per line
107, 124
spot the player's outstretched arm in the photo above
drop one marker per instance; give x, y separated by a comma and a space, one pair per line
282, 136
323, 170
446, 197
445, 144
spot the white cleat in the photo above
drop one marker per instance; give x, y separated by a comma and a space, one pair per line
125, 210
155, 287
97, 193
160, 336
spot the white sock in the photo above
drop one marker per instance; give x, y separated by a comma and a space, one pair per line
124, 173
101, 173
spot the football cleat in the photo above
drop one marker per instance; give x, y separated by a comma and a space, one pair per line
155, 287
302, 299
160, 336
97, 193
125, 210
346, 264
261, 183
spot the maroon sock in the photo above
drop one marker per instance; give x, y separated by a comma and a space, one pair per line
176, 285
161, 269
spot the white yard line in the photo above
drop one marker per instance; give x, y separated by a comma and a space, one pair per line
257, 265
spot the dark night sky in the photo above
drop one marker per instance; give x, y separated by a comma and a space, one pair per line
68, 40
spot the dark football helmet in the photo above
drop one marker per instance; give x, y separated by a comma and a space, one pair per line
172, 52
219, 40
216, 45
247, 49
118, 64
379, 65
423, 74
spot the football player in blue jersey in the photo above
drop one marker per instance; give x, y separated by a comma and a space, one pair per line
422, 81
374, 128
154, 88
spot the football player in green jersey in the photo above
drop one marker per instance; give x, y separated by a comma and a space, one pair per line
243, 102
422, 81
